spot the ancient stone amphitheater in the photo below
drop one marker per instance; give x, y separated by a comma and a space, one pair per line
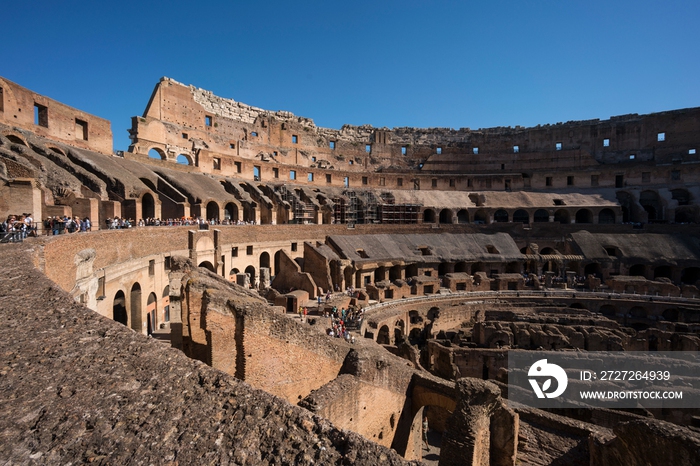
169, 333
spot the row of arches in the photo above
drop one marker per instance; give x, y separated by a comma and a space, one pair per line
128, 310
158, 153
484, 216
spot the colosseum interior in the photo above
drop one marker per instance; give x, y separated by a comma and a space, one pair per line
170, 332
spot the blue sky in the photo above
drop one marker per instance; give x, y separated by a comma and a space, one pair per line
385, 63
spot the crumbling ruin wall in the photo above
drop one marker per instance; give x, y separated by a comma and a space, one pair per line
55, 120
290, 276
237, 332
91, 390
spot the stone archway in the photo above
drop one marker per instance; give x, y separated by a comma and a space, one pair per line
119, 308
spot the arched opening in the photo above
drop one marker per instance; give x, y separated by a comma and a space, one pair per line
638, 270
461, 267
638, 312
562, 216
443, 268
231, 212
463, 216
514, 267
135, 307
278, 258
606, 217
478, 267
395, 273
594, 269
379, 274
151, 311
265, 260
541, 216
521, 216
685, 215
250, 270
57, 150
690, 275
446, 216
212, 211
411, 270
249, 213
207, 265
481, 217
166, 303
428, 216
348, 275
399, 330
156, 153
16, 139
577, 306
682, 196
663, 271
383, 336
652, 204
183, 159
148, 206
584, 216
672, 315
608, 310
119, 308
500, 216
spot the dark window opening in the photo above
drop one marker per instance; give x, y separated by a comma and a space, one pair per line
594, 180
611, 251
41, 116
452, 182
399, 181
433, 183
152, 267
185, 136
234, 251
364, 180
231, 145
328, 178
294, 247
216, 163
548, 181
2, 101
569, 180
238, 166
470, 183
362, 253
558, 202
276, 172
81, 129
492, 249
249, 250
619, 181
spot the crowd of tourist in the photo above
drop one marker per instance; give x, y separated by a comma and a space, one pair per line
342, 320
17, 227
118, 223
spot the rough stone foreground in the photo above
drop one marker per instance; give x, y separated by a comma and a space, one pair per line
79, 388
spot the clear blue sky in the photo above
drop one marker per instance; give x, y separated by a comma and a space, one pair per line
385, 63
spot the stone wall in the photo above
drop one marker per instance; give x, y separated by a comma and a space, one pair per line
91, 390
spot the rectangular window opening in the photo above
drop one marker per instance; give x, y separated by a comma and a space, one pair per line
234, 251
249, 250
452, 182
516, 149
152, 267
185, 136
81, 128
368, 148
403, 150
433, 183
594, 180
231, 145
254, 134
475, 150
548, 181
275, 172
208, 120
346, 182
332, 145
569, 180
295, 139
606, 142
292, 174
661, 137
365, 181
294, 247
633, 156
216, 163
399, 181
256, 173
328, 178
238, 166
41, 115
558, 146
619, 181
470, 183
439, 150
310, 177
691, 151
